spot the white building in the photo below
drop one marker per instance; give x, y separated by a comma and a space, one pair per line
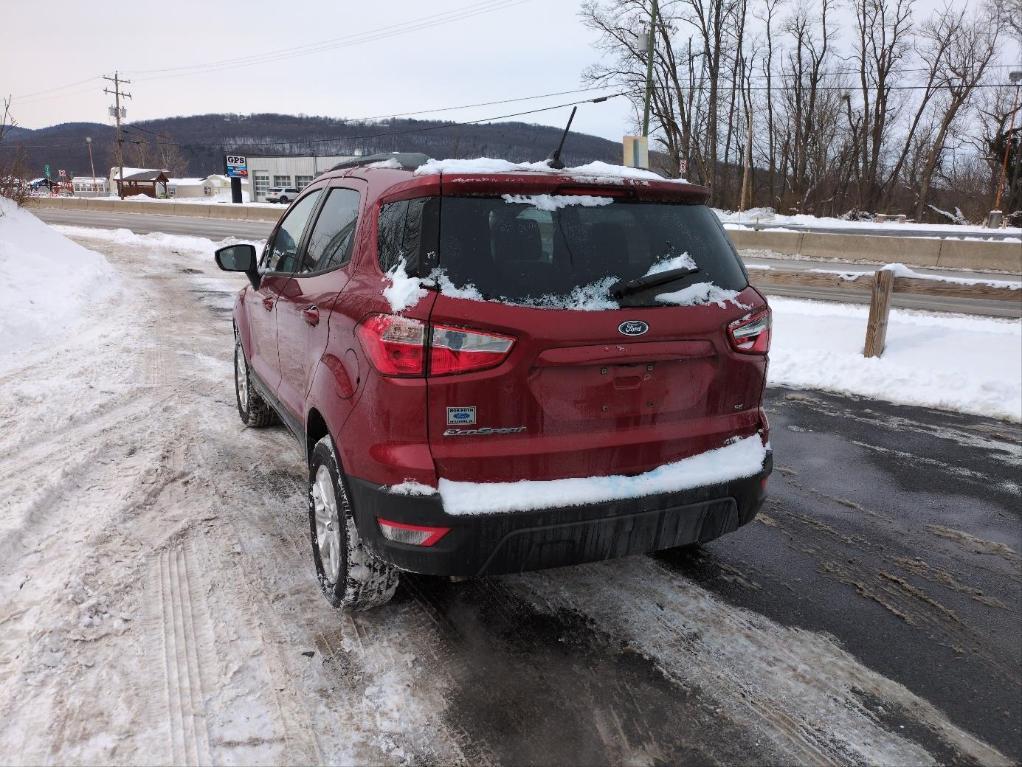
297, 172
87, 186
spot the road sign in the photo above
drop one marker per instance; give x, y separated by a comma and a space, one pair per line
237, 166
62, 173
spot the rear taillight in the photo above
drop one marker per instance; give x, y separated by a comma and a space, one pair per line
397, 346
456, 350
416, 535
751, 334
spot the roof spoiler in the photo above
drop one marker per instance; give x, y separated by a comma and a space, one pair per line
406, 160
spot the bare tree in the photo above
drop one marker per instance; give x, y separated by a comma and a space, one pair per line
883, 29
12, 159
971, 47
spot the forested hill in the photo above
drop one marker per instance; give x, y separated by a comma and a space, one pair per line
194, 146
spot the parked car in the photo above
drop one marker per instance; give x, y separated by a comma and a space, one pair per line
284, 194
496, 372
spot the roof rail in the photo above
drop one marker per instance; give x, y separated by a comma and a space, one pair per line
406, 160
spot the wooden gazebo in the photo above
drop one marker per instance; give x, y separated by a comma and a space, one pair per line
151, 183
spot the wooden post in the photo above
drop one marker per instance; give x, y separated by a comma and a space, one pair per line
879, 311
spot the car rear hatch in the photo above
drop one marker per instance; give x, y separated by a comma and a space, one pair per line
581, 381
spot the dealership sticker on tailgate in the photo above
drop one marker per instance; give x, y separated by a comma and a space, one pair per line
461, 416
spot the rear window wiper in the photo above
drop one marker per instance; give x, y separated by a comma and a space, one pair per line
624, 287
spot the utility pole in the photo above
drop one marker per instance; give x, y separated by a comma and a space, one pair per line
118, 95
650, 46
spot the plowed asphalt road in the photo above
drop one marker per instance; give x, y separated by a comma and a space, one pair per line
158, 604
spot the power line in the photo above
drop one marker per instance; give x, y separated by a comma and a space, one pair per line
372, 35
118, 114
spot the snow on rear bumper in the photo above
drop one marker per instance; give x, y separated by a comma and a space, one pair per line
489, 544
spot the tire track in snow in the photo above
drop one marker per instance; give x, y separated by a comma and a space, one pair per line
183, 660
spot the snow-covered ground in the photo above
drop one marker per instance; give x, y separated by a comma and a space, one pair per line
158, 606
968, 364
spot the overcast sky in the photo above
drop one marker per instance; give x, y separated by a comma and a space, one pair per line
472, 51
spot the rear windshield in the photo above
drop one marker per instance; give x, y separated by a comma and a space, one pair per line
540, 250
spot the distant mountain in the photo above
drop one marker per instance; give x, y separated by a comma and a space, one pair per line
195, 146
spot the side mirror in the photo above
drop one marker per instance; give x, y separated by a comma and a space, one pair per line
239, 258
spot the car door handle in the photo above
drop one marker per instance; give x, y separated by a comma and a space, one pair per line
311, 314
268, 303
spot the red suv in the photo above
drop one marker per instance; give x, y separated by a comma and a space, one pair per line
496, 368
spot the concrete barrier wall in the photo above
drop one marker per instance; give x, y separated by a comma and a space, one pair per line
207, 210
914, 251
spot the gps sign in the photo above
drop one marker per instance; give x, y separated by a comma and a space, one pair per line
237, 166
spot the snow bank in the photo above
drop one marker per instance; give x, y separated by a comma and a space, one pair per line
181, 243
556, 201
742, 458
47, 283
595, 172
966, 364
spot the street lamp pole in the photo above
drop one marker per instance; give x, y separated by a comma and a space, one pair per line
88, 143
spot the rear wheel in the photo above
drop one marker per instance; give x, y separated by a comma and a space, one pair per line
251, 407
351, 576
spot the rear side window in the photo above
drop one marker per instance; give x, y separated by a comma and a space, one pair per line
281, 254
527, 253
408, 231
333, 235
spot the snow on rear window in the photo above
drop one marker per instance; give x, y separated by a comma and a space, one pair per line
701, 293
513, 250
556, 201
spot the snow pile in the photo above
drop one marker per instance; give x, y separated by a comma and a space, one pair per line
966, 364
468, 292
391, 164
47, 283
553, 202
595, 172
403, 292
701, 293
741, 458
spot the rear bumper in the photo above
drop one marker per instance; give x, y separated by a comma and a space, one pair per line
490, 544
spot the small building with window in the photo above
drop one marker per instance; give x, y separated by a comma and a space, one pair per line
297, 172
89, 186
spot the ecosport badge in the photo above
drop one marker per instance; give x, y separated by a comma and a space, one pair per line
484, 431
632, 328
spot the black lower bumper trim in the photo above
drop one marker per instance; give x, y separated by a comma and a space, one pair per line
489, 544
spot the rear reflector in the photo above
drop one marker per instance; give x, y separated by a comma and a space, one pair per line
751, 334
416, 535
397, 346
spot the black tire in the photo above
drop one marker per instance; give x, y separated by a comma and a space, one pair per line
362, 580
252, 408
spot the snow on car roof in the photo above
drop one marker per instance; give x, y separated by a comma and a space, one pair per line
600, 172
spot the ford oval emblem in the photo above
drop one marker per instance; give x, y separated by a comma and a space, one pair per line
632, 328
